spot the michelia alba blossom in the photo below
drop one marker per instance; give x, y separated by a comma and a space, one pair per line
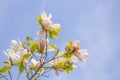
16, 52
80, 54
46, 23
41, 42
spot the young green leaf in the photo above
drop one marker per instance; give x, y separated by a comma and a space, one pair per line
21, 68
24, 44
39, 19
18, 63
50, 35
68, 55
28, 38
33, 47
57, 29
66, 71
69, 44
26, 56
5, 62
55, 34
5, 69
53, 46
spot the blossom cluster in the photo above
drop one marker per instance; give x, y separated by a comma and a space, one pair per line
32, 56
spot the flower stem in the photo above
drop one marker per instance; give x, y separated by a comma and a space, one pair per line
46, 44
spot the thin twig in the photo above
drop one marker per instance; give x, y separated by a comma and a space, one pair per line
26, 72
35, 57
10, 75
46, 72
4, 76
46, 45
37, 71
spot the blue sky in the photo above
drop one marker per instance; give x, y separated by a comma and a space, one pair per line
96, 23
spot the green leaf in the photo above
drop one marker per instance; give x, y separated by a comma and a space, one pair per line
6, 62
66, 71
53, 46
28, 38
50, 34
39, 19
24, 44
33, 47
57, 29
18, 63
71, 68
67, 55
60, 64
5, 69
26, 56
55, 34
21, 68
69, 44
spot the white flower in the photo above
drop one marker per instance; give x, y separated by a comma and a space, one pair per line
80, 54
46, 21
16, 51
47, 24
15, 45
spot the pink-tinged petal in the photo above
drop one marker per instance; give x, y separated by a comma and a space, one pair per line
41, 32
81, 55
46, 24
73, 59
46, 21
43, 15
11, 53
41, 42
76, 44
14, 45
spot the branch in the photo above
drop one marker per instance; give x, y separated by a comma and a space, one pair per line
10, 75
46, 45
37, 71
26, 72
3, 76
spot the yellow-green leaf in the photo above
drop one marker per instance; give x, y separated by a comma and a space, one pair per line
55, 34
28, 38
57, 29
52, 46
21, 68
5, 69
39, 19
66, 71
25, 56
33, 47
69, 44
